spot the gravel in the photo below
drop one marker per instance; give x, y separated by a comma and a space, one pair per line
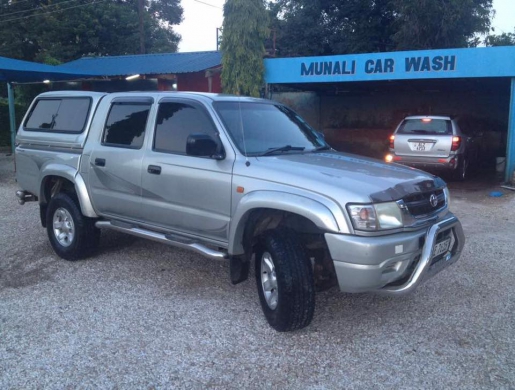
142, 315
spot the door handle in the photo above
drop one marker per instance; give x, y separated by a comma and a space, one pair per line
101, 162
154, 169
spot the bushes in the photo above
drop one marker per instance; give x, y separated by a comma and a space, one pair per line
5, 130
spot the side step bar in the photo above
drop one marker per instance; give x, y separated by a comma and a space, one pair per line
172, 240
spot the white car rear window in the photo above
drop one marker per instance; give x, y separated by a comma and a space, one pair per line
426, 126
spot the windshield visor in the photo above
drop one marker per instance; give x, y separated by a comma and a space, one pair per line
257, 128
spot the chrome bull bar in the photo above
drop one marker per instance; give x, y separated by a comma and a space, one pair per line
424, 269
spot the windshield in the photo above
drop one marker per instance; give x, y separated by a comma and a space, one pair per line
265, 127
426, 126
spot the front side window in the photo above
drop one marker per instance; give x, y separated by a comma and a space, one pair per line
125, 126
176, 121
258, 128
426, 126
59, 115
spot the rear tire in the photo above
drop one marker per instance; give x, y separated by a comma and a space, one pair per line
72, 235
285, 281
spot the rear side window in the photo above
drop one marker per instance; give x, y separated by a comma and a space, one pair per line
67, 115
125, 126
176, 121
426, 126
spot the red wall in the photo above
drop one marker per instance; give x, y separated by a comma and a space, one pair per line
198, 82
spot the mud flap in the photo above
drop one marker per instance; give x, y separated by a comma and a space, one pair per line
42, 214
239, 266
323, 269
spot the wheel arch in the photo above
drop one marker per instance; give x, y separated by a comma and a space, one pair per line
56, 177
257, 207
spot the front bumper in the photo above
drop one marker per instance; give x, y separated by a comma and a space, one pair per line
395, 264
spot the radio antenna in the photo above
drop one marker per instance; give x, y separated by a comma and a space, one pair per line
247, 162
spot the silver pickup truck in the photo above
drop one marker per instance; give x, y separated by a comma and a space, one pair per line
238, 179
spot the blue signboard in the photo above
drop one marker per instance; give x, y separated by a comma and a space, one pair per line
423, 64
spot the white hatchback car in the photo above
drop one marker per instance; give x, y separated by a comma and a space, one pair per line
433, 143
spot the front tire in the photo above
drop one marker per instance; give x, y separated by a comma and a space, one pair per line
72, 235
285, 281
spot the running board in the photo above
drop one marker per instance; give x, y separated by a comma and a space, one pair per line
173, 240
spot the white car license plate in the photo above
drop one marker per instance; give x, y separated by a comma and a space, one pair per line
419, 146
441, 247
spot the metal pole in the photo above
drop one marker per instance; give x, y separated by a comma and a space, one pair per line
12, 117
510, 144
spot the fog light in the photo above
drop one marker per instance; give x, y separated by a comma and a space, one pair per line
388, 158
393, 267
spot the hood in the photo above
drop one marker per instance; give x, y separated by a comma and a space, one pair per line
344, 176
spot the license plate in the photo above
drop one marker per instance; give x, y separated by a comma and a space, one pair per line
419, 146
441, 247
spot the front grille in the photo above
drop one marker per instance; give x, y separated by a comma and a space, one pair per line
420, 205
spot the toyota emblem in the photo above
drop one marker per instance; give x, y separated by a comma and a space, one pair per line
433, 199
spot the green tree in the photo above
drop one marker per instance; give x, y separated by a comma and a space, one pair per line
59, 31
436, 24
245, 28
325, 27
504, 39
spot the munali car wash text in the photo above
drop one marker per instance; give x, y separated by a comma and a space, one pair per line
381, 65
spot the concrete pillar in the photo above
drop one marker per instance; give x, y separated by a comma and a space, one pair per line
510, 144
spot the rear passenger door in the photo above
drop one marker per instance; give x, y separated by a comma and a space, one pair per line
115, 164
182, 193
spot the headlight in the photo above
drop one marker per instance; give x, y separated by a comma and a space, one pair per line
447, 196
380, 216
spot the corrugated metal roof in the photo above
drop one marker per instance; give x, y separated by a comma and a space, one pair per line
167, 63
18, 71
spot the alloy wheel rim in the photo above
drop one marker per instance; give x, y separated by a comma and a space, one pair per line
269, 281
64, 228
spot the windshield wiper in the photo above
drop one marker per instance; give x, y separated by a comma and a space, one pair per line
285, 148
323, 147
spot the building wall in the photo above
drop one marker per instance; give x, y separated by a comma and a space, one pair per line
362, 123
307, 104
198, 82
115, 85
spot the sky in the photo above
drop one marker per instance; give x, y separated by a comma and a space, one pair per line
504, 21
203, 17
198, 29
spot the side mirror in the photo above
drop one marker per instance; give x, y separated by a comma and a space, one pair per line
202, 145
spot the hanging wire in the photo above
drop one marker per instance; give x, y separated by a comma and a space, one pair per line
39, 8
51, 12
211, 5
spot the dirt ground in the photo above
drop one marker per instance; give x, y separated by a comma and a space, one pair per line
141, 315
